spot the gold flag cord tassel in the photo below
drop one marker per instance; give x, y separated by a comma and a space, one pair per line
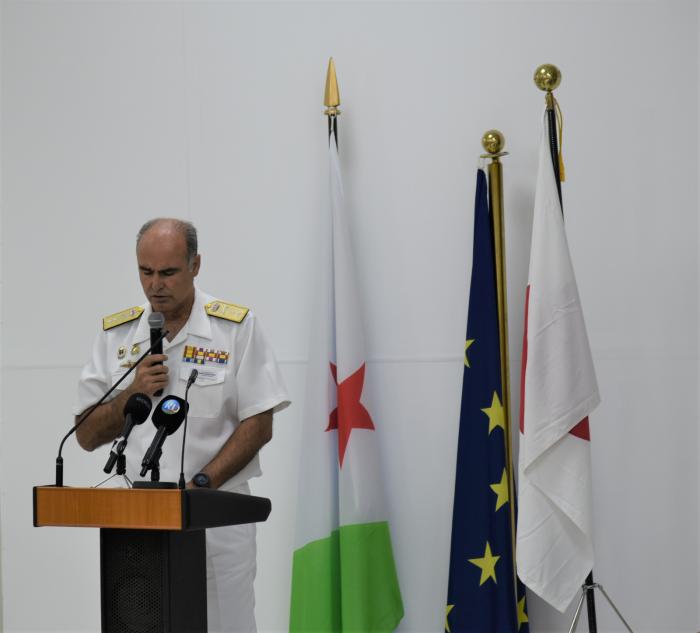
560, 128
493, 142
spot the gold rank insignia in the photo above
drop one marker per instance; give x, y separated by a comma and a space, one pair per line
121, 352
228, 311
119, 318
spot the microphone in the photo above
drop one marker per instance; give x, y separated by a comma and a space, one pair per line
88, 412
156, 321
190, 381
136, 411
167, 418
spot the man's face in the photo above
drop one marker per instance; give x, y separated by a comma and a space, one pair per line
166, 276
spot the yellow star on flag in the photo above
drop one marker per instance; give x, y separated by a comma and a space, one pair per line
447, 613
495, 413
467, 345
522, 616
501, 489
487, 564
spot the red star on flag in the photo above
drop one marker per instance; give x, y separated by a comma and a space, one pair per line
350, 413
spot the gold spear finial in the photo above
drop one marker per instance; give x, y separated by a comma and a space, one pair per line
547, 78
332, 97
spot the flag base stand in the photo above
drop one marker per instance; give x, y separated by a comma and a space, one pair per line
590, 587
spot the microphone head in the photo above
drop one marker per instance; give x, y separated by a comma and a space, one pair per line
156, 321
139, 406
169, 413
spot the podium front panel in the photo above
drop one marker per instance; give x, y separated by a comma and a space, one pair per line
153, 581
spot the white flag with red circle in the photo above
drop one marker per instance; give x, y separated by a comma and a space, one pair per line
558, 392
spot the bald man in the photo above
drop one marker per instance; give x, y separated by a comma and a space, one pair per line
238, 388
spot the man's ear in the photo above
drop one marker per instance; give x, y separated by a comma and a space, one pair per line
196, 262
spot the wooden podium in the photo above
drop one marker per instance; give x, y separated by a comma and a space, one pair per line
152, 548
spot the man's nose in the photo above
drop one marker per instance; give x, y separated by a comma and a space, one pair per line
156, 281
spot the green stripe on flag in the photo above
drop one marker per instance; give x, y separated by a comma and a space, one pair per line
346, 583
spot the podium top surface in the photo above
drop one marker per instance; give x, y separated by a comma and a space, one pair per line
145, 509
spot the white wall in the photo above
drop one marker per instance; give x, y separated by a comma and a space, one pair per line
116, 112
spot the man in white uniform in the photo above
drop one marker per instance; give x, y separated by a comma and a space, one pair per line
238, 388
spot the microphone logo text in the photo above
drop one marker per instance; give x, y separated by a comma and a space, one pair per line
170, 406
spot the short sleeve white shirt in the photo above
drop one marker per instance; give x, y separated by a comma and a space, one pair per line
238, 378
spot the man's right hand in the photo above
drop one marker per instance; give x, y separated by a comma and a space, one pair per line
151, 375
108, 419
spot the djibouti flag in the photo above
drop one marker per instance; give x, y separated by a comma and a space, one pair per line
344, 576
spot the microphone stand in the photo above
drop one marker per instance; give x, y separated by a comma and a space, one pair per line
155, 465
86, 414
121, 471
190, 381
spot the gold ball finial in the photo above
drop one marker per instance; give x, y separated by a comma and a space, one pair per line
493, 141
547, 77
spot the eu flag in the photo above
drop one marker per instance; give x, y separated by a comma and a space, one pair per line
483, 594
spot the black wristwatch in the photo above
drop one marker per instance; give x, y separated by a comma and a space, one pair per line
201, 480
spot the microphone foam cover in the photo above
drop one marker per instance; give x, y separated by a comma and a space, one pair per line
156, 321
170, 413
139, 406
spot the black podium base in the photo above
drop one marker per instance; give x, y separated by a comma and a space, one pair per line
153, 581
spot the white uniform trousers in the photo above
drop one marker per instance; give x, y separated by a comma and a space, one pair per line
231, 566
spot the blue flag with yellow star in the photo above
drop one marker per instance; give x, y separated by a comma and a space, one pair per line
483, 594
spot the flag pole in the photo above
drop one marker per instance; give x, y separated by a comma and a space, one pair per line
331, 100
493, 142
547, 78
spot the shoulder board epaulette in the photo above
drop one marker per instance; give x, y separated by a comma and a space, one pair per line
228, 311
119, 318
